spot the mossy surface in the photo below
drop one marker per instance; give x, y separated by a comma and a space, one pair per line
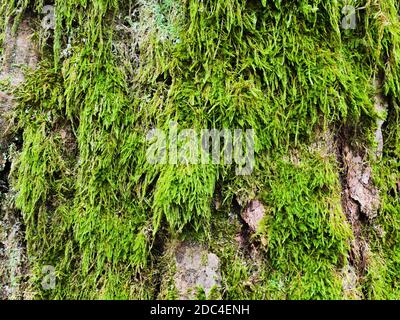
97, 210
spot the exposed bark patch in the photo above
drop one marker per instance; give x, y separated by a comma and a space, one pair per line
360, 197
249, 217
253, 214
357, 205
362, 192
360, 202
19, 52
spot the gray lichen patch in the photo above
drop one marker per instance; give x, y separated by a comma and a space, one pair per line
196, 269
350, 283
13, 260
381, 107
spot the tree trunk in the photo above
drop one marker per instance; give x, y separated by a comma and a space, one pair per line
193, 149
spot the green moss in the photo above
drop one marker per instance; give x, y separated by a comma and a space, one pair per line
94, 207
383, 276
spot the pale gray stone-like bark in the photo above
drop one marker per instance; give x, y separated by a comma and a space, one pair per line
19, 53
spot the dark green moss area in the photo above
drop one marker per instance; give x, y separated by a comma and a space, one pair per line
98, 211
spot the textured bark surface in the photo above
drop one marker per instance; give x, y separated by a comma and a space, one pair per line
19, 53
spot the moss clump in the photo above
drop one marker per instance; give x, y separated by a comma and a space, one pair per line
95, 208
